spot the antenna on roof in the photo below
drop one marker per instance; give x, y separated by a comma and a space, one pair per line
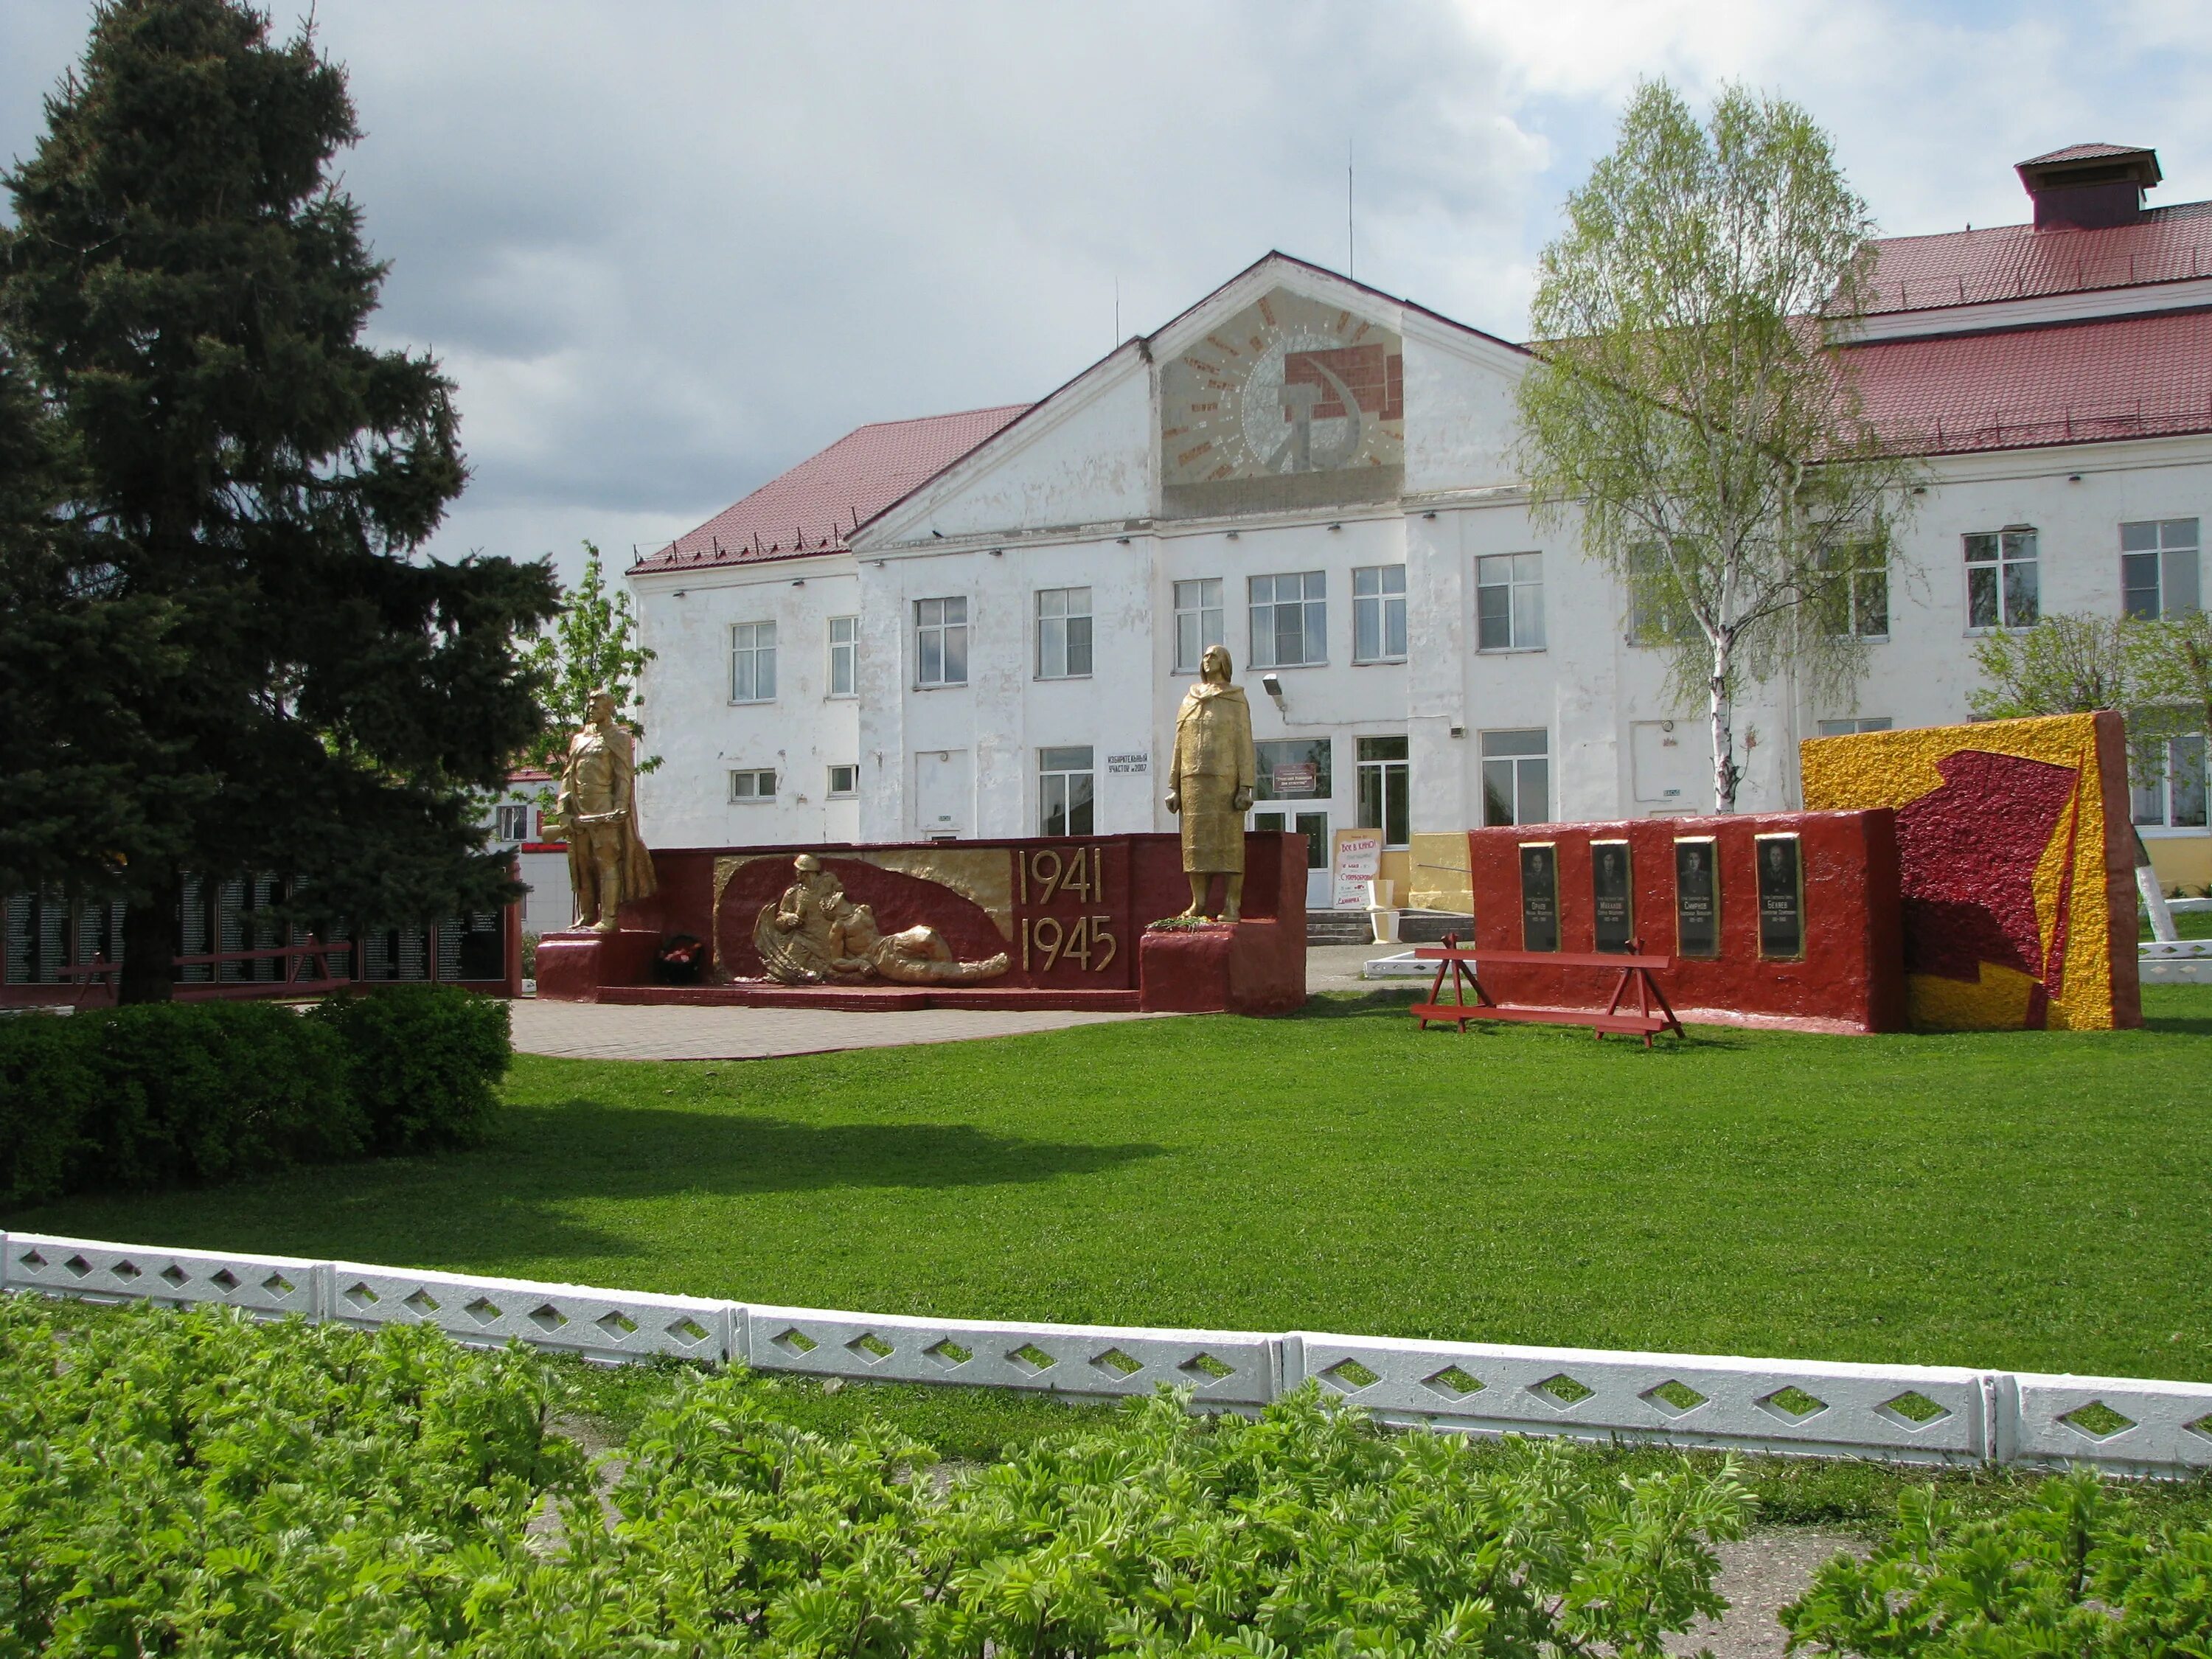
1351, 242
717, 541
1117, 311
756, 546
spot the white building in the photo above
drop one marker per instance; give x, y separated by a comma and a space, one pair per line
981, 624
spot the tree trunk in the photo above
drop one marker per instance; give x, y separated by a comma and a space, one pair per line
1725, 770
2153, 897
150, 943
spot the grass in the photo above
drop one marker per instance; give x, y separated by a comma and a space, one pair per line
2187, 924
2029, 1202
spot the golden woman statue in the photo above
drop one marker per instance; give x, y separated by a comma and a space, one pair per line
607, 863
1210, 781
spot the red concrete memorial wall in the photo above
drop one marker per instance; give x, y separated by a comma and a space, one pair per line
1069, 915
1843, 974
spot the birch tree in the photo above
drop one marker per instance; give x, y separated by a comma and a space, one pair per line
1687, 405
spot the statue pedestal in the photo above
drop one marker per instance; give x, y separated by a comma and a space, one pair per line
1251, 968
573, 966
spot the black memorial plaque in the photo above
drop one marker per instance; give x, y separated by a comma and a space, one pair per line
1781, 896
1697, 898
1540, 897
1611, 909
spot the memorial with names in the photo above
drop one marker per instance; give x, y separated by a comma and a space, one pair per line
1697, 896
1540, 897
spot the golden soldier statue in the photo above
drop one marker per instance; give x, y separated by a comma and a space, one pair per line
608, 864
1210, 781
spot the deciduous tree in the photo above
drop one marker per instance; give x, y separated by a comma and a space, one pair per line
591, 646
1686, 406
187, 290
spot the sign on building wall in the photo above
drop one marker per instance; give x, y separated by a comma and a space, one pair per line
1128, 763
1290, 402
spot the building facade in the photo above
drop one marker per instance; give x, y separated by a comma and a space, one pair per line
983, 624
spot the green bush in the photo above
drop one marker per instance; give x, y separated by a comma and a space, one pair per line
2073, 1572
48, 1090
198, 1484
426, 1063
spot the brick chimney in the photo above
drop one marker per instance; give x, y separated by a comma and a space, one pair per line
2089, 186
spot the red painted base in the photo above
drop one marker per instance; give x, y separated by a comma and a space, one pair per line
1253, 967
581, 967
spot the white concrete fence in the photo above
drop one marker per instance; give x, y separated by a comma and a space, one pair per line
1904, 1413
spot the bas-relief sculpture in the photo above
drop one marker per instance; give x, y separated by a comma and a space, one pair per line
1211, 779
814, 935
607, 863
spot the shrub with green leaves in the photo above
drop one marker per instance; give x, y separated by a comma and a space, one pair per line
426, 1062
198, 1483
2073, 1574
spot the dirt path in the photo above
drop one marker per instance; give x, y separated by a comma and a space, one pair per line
1760, 1575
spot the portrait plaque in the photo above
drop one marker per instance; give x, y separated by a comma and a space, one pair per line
1697, 896
1614, 911
1781, 896
1540, 896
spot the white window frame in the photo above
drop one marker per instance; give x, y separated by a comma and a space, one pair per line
1518, 579
1392, 777
1064, 637
508, 814
1056, 788
2168, 551
1998, 555
942, 623
1514, 758
1378, 613
1861, 585
749, 792
2153, 806
844, 657
1198, 621
752, 662
1309, 599
1853, 724
852, 786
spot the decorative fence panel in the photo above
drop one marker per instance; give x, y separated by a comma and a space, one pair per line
1909, 1413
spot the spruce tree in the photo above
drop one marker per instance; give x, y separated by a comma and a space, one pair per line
187, 290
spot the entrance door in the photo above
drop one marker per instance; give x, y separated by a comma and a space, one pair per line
1314, 826
944, 793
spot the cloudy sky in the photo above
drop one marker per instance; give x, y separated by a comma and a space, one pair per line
668, 249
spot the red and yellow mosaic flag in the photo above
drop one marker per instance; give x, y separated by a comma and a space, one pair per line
2016, 858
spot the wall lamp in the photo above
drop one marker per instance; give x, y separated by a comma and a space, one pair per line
678, 594
799, 581
1273, 685
1123, 540
1336, 527
998, 552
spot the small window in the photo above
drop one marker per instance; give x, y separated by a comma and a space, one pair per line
844, 655
753, 785
1509, 602
1385, 790
844, 781
1857, 602
1289, 619
2174, 798
1064, 791
1852, 727
2001, 585
1516, 777
1296, 770
940, 641
1198, 620
513, 823
1378, 613
1658, 613
752, 662
2158, 574
1063, 633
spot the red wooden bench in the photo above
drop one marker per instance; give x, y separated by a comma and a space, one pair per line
1635, 970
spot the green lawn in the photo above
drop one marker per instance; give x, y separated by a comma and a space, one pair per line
2188, 924
2032, 1202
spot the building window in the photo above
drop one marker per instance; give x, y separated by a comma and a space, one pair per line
1064, 791
844, 781
1198, 620
513, 823
2158, 567
2002, 589
1657, 612
1296, 770
1516, 777
844, 656
753, 784
1289, 619
2174, 798
940, 641
1509, 602
1063, 633
1858, 602
1384, 790
752, 662
1378, 613
1851, 727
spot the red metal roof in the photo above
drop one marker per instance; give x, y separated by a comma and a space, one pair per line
2122, 377
808, 510
2084, 152
2012, 262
